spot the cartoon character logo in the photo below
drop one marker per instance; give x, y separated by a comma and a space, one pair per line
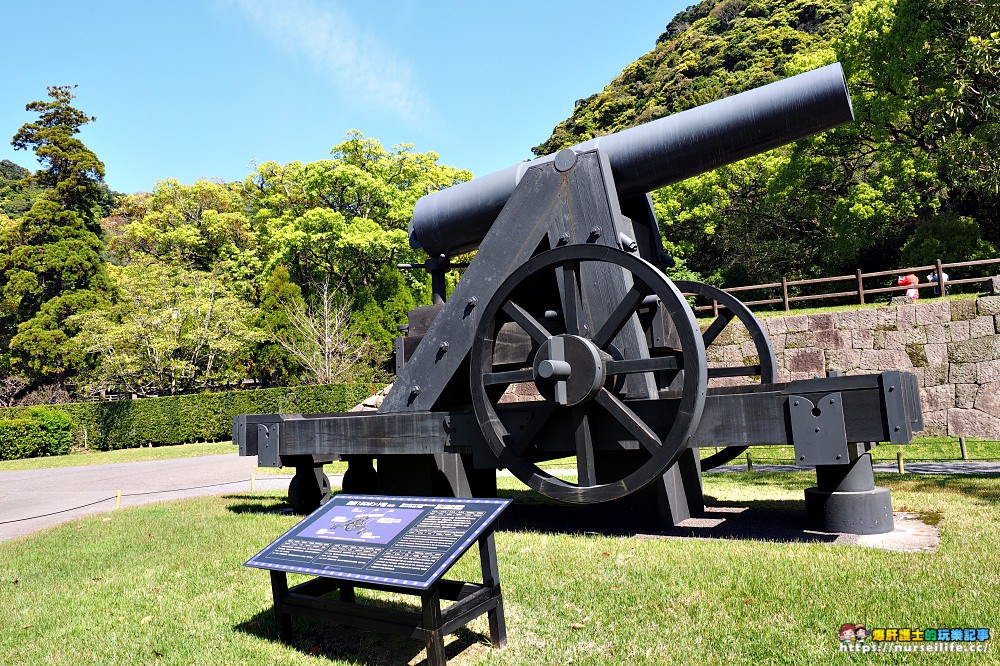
846, 633
861, 633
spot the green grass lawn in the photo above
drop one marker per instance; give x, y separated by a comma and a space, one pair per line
164, 584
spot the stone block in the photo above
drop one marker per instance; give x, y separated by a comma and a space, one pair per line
733, 334
935, 423
959, 331
936, 354
863, 338
821, 322
994, 285
980, 327
936, 333
963, 310
972, 423
715, 354
797, 323
988, 305
847, 319
832, 339
884, 359
800, 340
988, 372
775, 325
937, 398
965, 395
988, 400
885, 319
809, 361
962, 373
906, 316
975, 350
934, 375
867, 319
844, 360
933, 312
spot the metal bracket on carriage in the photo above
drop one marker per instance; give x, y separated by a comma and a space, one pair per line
819, 431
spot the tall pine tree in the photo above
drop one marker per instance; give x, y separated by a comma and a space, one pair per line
51, 264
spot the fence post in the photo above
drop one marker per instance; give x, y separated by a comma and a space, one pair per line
784, 292
861, 288
940, 277
715, 308
749, 462
965, 452
899, 461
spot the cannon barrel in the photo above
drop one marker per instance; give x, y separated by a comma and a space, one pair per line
652, 155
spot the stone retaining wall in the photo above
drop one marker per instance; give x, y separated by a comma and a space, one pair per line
952, 346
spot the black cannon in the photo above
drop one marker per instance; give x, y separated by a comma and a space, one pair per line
564, 338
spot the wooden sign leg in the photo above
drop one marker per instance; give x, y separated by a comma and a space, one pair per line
491, 579
279, 590
431, 602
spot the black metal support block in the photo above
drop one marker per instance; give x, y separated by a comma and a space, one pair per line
846, 499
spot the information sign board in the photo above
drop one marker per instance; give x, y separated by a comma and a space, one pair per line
398, 541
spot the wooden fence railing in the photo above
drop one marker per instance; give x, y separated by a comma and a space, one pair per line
857, 288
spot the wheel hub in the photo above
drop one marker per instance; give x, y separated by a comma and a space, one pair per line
569, 370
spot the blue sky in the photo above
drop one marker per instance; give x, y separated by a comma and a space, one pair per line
189, 89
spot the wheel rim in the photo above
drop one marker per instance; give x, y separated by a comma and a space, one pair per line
591, 398
766, 368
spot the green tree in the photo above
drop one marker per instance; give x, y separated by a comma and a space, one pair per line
51, 264
205, 226
268, 361
170, 331
342, 222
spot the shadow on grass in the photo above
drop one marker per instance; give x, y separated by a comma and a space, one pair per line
356, 646
769, 520
256, 504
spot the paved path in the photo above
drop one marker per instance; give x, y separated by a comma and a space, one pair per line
37, 499
32, 500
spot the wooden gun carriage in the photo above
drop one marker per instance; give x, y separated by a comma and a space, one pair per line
567, 307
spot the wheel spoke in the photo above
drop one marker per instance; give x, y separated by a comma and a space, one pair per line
735, 371
571, 297
586, 476
629, 420
712, 332
530, 325
654, 364
508, 377
617, 319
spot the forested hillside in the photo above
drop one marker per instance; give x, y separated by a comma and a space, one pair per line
290, 275
913, 179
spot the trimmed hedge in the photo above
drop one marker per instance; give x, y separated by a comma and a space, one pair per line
39, 431
201, 417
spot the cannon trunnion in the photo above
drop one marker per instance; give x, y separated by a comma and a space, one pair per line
564, 339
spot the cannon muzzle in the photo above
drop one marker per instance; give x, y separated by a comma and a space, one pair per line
653, 155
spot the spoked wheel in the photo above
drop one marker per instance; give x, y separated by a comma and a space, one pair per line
766, 367
577, 370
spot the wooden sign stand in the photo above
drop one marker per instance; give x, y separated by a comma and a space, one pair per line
431, 624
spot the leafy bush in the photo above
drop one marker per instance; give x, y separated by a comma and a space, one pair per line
40, 431
202, 417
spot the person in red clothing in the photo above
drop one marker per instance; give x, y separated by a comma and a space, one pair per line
910, 280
